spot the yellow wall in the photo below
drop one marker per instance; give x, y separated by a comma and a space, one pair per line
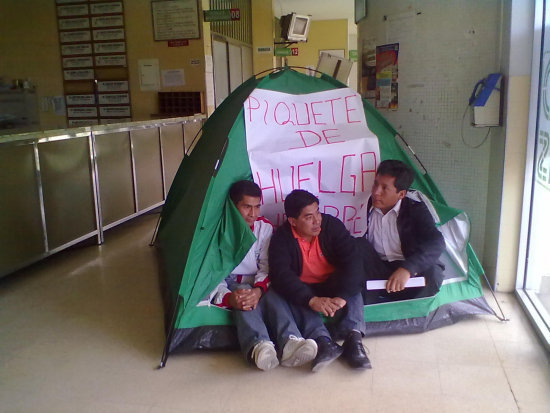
141, 45
210, 104
29, 48
517, 124
262, 34
323, 34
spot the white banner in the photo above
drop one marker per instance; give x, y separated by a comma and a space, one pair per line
319, 142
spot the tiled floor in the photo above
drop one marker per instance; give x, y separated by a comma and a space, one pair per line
82, 332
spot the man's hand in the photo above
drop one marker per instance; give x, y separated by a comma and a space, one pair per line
397, 280
327, 305
245, 300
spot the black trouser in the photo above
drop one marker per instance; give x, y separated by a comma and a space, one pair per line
378, 269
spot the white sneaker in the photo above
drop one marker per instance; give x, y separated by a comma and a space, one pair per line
298, 351
265, 356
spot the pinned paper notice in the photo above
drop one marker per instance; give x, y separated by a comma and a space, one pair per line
173, 77
58, 103
149, 78
381, 284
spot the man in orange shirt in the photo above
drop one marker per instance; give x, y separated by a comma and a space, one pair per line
315, 268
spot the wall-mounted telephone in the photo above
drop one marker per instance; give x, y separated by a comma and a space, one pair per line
485, 101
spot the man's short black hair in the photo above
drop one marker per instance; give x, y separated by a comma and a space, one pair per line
244, 188
403, 174
298, 200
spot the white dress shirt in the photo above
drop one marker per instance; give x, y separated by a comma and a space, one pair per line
383, 235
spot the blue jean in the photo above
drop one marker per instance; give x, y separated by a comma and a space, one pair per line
349, 318
271, 320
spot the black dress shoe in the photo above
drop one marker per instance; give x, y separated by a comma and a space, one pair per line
354, 351
327, 352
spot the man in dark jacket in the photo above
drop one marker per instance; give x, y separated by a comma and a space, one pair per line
403, 241
314, 266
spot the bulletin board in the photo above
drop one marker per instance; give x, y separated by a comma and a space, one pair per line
175, 19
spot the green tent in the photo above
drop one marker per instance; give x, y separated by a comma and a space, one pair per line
201, 236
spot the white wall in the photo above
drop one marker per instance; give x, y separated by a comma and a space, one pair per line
445, 47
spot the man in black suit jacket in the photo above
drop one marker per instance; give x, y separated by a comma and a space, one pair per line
402, 240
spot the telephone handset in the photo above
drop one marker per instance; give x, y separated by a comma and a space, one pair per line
485, 101
476, 91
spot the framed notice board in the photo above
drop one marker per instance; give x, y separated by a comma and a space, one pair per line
175, 19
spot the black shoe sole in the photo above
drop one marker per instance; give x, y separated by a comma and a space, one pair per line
324, 363
364, 366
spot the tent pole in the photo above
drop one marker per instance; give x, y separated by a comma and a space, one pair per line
280, 68
412, 151
154, 238
503, 318
169, 335
186, 151
193, 141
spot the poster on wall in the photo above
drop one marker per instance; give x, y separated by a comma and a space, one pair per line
386, 76
368, 70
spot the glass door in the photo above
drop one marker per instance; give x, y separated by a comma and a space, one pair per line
534, 283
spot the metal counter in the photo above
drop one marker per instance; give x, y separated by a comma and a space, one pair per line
58, 188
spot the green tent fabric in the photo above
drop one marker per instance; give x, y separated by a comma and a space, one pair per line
202, 237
